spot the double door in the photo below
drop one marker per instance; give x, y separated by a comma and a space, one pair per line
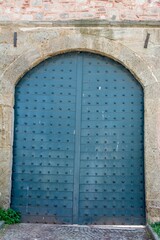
78, 143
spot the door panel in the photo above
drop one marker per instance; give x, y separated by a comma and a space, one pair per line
111, 167
45, 106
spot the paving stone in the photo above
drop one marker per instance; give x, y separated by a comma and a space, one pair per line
1, 224
73, 232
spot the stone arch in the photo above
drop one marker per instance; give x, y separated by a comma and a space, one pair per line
100, 45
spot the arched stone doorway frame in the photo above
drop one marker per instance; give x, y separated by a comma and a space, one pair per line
103, 46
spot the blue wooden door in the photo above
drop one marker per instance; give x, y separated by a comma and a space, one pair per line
78, 143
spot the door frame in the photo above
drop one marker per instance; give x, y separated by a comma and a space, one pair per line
103, 46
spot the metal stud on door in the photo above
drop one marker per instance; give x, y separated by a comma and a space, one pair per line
78, 143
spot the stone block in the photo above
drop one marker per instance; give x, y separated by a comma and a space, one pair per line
5, 176
6, 126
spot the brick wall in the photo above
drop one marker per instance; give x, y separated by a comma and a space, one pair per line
113, 10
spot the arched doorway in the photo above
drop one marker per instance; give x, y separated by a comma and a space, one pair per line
78, 143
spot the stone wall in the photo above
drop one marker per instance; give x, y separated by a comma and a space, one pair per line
46, 10
124, 44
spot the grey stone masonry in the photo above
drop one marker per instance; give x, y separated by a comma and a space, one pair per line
125, 44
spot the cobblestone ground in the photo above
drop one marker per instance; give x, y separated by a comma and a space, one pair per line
63, 232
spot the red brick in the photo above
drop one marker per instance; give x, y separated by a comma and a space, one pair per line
80, 9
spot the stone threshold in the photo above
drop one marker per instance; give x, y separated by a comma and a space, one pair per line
105, 226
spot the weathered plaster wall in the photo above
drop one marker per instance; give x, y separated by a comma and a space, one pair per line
125, 44
45, 10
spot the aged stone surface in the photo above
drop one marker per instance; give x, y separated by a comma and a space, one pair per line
152, 147
6, 138
5, 126
124, 44
36, 44
5, 175
80, 9
62, 232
